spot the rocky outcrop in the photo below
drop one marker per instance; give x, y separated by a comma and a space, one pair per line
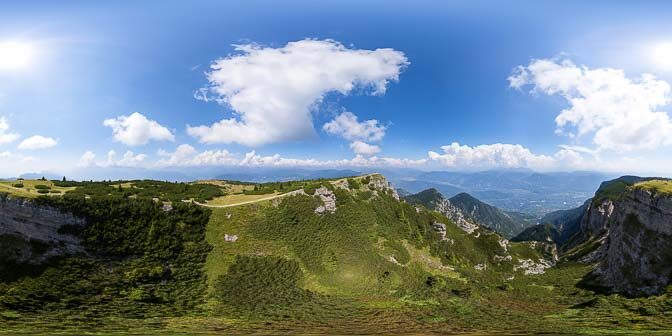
380, 183
455, 215
29, 233
595, 221
636, 257
531, 267
328, 200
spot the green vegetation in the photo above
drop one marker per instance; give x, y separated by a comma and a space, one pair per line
541, 233
613, 189
146, 189
375, 265
141, 261
662, 187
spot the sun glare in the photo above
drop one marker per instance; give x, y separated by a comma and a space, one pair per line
662, 55
15, 55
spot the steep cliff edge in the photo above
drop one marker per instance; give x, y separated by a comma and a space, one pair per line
29, 232
624, 231
636, 257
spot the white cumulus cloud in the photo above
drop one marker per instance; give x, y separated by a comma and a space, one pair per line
187, 155
619, 113
88, 159
363, 148
348, 127
136, 129
272, 90
131, 159
37, 142
5, 135
493, 156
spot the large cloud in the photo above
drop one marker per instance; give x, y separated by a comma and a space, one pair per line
37, 142
492, 156
136, 129
620, 113
187, 155
271, 90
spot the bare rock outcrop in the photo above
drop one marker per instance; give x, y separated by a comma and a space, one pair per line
636, 256
531, 267
25, 225
328, 200
455, 215
380, 183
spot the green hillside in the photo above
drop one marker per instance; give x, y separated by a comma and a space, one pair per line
374, 265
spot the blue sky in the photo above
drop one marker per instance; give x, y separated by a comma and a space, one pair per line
491, 77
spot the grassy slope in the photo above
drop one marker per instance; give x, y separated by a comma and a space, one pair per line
663, 187
238, 198
29, 190
293, 271
345, 263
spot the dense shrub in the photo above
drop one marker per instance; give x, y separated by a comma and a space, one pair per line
146, 189
354, 184
140, 259
261, 281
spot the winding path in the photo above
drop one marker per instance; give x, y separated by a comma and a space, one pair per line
291, 193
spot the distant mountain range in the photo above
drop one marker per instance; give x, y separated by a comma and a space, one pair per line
508, 224
517, 190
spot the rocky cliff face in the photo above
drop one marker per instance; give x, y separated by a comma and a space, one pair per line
378, 182
636, 257
456, 215
433, 199
595, 221
29, 233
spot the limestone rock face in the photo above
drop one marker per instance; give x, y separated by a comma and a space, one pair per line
455, 215
328, 199
380, 183
636, 257
23, 224
531, 267
595, 221
343, 184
